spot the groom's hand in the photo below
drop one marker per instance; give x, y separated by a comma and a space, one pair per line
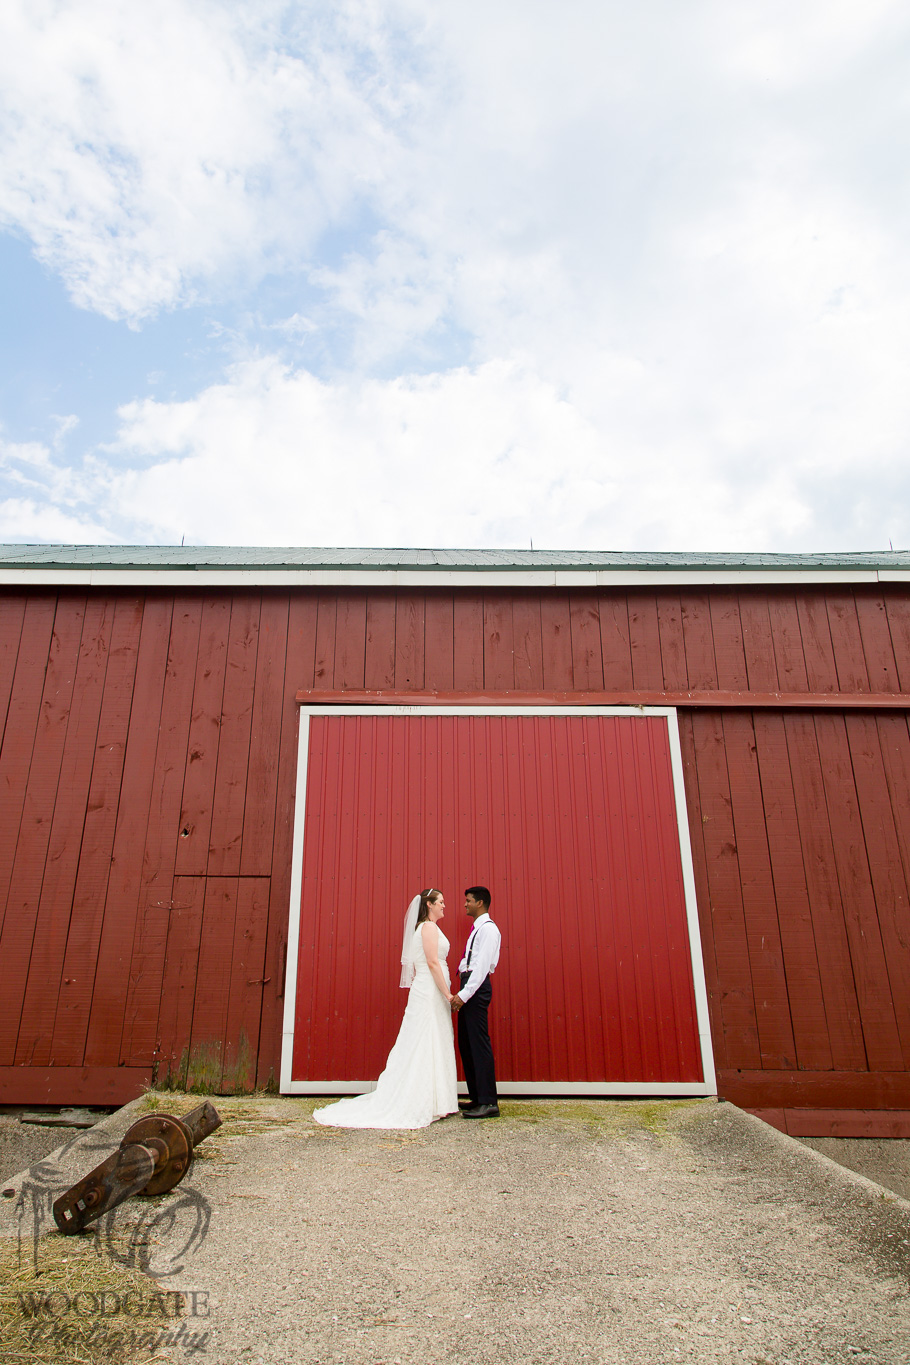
457, 1003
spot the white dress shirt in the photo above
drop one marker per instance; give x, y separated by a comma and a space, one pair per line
485, 940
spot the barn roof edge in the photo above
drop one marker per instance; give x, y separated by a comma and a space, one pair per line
161, 557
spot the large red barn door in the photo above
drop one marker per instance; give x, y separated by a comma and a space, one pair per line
571, 819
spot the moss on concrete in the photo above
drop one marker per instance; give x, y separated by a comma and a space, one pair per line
606, 1117
261, 1111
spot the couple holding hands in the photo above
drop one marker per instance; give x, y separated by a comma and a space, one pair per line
419, 1083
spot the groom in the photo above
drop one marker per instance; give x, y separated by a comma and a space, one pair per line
472, 1003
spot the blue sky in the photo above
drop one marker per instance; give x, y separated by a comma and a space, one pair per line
401, 273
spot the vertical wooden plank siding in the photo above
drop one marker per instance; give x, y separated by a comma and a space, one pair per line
379, 664
108, 1004
147, 962
894, 738
351, 641
842, 1013
265, 737
852, 675
21, 728
615, 641
794, 916
498, 660
12, 615
697, 823
210, 1003
672, 642
878, 650
130, 719
867, 953
56, 899
556, 638
469, 642
95, 858
18, 933
527, 640
698, 636
815, 634
205, 731
772, 1005
229, 796
758, 642
439, 675
410, 642
722, 906
729, 651
326, 637
789, 657
644, 636
179, 985
299, 663
587, 650
889, 885
897, 612
244, 993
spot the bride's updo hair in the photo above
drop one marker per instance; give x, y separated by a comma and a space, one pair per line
426, 899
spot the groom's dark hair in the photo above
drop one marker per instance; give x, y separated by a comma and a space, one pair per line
480, 893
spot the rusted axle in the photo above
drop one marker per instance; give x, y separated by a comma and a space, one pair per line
155, 1154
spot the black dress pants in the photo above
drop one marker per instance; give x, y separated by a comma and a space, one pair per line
475, 1046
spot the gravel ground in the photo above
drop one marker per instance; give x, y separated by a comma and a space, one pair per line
886, 1160
23, 1144
609, 1232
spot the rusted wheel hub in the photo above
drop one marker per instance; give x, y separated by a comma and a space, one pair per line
170, 1143
154, 1156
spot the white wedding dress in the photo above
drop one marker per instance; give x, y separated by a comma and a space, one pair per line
419, 1083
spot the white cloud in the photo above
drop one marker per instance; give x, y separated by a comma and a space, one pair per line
626, 276
493, 456
150, 150
36, 522
277, 457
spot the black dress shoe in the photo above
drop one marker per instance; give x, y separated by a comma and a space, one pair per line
481, 1111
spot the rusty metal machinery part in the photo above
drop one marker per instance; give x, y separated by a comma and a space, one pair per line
171, 1143
202, 1121
155, 1154
126, 1172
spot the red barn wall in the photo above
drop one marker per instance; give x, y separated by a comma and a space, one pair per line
147, 775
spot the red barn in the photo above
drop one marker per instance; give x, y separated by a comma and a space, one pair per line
686, 779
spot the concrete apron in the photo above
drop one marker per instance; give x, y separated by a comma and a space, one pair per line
604, 1231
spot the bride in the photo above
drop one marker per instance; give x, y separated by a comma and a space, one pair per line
418, 1084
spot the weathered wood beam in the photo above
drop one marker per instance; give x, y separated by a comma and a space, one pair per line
813, 701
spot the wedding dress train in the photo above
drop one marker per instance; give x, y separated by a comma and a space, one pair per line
419, 1083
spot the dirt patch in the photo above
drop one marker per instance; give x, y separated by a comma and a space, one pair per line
612, 1232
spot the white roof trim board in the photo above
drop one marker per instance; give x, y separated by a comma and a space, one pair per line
241, 566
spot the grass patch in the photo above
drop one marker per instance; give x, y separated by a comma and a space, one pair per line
606, 1117
240, 1114
262, 1112
77, 1306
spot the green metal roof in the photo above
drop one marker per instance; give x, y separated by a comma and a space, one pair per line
214, 557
